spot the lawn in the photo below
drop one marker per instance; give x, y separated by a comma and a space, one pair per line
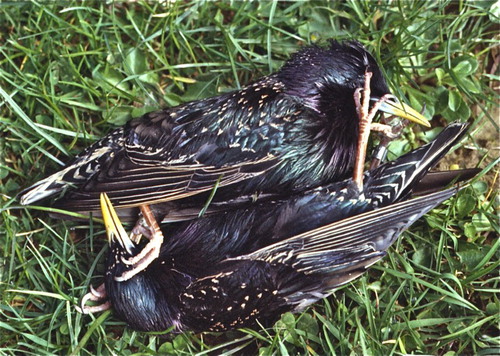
72, 71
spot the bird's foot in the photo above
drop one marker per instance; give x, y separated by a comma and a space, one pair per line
384, 129
362, 102
388, 132
149, 228
95, 295
140, 229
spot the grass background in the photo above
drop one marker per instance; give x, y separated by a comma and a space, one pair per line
71, 71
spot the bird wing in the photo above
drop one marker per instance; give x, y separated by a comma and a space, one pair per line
138, 184
176, 153
398, 178
335, 246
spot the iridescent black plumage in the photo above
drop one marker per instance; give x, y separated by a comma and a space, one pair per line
290, 131
234, 268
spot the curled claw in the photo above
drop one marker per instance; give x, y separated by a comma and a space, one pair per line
388, 103
147, 227
95, 295
387, 132
98, 293
140, 229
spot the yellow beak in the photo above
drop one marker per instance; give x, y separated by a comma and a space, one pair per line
114, 227
397, 108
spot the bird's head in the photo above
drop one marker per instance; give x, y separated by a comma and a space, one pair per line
325, 78
120, 245
146, 301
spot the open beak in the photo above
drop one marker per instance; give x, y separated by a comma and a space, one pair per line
114, 227
394, 107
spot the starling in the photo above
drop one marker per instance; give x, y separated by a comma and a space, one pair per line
234, 268
290, 131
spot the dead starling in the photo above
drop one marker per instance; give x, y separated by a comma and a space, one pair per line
232, 269
290, 131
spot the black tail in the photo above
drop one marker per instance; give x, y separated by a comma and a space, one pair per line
435, 181
394, 181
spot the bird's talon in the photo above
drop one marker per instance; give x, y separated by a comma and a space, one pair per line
95, 295
140, 229
385, 129
398, 128
149, 228
91, 309
141, 261
99, 292
152, 249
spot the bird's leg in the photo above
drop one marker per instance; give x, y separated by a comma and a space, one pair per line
362, 106
96, 295
150, 252
380, 152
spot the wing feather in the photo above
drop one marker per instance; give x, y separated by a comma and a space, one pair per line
153, 184
362, 235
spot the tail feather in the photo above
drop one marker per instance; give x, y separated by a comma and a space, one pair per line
394, 181
83, 167
434, 181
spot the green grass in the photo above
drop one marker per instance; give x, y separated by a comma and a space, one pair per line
71, 71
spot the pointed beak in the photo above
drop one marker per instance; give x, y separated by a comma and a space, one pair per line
397, 108
114, 227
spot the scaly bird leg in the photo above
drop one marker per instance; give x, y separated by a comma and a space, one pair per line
150, 252
96, 295
362, 106
362, 102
